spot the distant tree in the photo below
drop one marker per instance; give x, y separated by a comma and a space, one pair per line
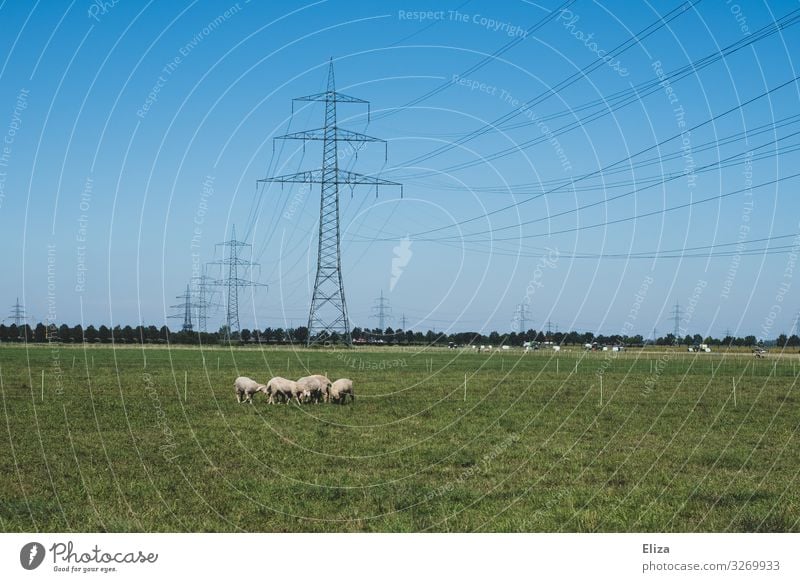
782, 340
90, 334
749, 340
77, 334
301, 334
794, 341
163, 333
697, 339
64, 333
688, 340
104, 334
128, 334
151, 333
40, 333
246, 335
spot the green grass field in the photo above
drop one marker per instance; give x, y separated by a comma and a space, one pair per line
115, 446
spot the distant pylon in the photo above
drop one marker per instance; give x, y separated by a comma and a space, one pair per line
381, 309
232, 282
186, 308
327, 317
203, 292
676, 317
522, 318
18, 314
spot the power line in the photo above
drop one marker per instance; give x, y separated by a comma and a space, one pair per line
655, 160
612, 165
483, 62
632, 95
563, 84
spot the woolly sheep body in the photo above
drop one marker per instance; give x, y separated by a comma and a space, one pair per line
285, 389
246, 387
315, 387
340, 389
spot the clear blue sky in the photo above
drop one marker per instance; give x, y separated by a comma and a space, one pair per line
114, 116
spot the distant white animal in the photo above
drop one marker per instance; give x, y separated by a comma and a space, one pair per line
314, 388
280, 389
340, 389
245, 388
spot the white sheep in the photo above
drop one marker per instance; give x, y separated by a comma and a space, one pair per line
246, 387
340, 389
315, 388
281, 388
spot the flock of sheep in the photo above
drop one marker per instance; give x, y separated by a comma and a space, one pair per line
316, 388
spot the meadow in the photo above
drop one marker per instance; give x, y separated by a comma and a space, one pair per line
129, 440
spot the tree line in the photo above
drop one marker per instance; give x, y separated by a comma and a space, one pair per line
151, 334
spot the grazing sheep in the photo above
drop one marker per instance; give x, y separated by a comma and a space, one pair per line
281, 388
315, 388
246, 387
340, 389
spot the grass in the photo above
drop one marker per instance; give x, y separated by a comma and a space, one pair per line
114, 446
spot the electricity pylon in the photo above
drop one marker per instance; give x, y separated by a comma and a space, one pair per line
381, 309
186, 308
203, 285
18, 314
232, 282
522, 318
327, 318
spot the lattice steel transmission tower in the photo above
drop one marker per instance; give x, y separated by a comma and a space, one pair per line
203, 291
232, 281
521, 317
676, 317
186, 308
17, 314
381, 309
327, 318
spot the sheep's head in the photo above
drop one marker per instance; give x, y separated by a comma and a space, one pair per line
265, 389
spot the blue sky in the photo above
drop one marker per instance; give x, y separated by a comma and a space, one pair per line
135, 134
